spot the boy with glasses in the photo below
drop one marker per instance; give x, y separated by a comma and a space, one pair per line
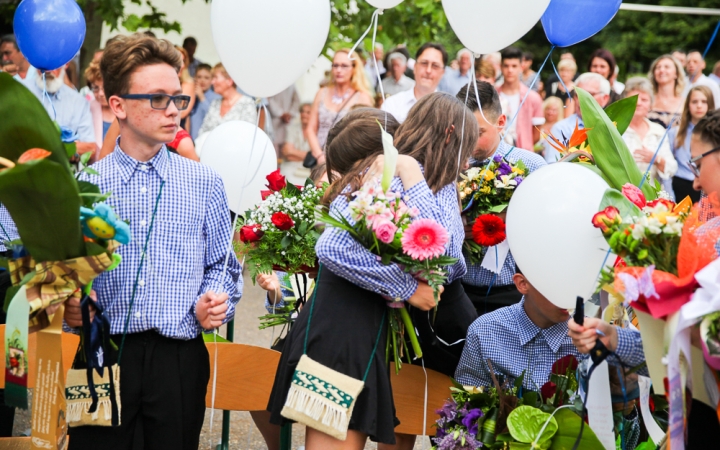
172, 284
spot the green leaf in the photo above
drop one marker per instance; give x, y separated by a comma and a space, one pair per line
88, 188
292, 189
286, 241
90, 170
530, 398
568, 430
70, 149
498, 208
391, 157
85, 158
25, 124
525, 423
610, 152
50, 227
615, 198
621, 112
302, 228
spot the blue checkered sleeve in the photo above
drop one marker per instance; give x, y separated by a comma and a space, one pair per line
285, 292
629, 350
8, 230
477, 275
346, 257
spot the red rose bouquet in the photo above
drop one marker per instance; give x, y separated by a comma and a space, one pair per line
280, 232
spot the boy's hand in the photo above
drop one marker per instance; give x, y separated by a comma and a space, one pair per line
211, 310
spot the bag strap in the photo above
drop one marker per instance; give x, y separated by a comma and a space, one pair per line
307, 329
342, 108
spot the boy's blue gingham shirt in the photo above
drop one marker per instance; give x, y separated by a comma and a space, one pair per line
187, 246
346, 257
9, 231
477, 275
514, 344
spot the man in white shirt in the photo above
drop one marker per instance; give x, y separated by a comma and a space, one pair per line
431, 60
11, 53
695, 66
396, 81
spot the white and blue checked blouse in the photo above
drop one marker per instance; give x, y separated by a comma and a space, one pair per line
514, 344
477, 275
346, 257
8, 231
187, 246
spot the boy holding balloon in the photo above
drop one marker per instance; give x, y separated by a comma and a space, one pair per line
176, 278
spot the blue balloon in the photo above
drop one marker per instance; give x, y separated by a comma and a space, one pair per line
567, 22
49, 32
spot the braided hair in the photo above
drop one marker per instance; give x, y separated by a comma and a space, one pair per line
708, 128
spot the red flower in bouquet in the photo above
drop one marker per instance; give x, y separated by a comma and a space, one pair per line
562, 365
548, 390
250, 233
276, 181
634, 194
14, 362
488, 230
265, 194
662, 201
282, 221
606, 218
424, 239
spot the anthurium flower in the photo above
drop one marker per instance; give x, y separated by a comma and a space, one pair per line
606, 219
102, 223
32, 155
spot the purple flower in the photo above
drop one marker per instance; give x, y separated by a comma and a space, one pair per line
518, 180
497, 158
448, 442
470, 421
504, 169
448, 411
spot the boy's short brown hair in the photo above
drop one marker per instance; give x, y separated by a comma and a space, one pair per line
125, 54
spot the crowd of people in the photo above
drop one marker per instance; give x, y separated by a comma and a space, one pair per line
154, 96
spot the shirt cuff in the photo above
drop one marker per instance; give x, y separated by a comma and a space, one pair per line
538, 121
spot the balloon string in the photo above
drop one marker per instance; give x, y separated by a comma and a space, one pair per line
372, 21
712, 39
46, 94
567, 91
537, 76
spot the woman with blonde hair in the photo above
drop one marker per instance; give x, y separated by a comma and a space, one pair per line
668, 84
231, 106
348, 86
553, 112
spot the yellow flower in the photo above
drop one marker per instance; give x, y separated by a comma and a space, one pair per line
487, 175
485, 190
518, 171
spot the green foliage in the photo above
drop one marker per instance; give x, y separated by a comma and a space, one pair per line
568, 429
609, 150
621, 112
615, 198
525, 423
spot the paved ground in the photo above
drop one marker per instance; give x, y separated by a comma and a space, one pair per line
243, 433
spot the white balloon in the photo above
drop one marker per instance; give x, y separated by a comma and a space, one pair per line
229, 150
550, 231
266, 45
199, 142
482, 27
384, 4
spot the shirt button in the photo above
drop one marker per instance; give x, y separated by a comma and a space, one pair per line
143, 189
142, 223
141, 283
138, 314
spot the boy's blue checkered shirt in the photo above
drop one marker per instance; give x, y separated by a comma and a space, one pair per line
187, 246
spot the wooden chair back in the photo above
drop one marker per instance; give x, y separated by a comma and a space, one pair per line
409, 394
245, 376
70, 344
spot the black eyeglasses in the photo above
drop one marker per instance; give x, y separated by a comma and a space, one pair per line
161, 101
693, 161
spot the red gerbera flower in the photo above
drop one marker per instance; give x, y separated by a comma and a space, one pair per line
488, 230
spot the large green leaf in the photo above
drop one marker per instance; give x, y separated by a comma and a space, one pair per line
25, 124
621, 112
44, 202
525, 423
568, 429
615, 198
610, 152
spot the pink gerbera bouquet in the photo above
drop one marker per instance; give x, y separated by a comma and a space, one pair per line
384, 224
